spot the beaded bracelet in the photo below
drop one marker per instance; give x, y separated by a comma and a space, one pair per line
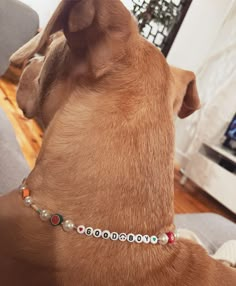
68, 225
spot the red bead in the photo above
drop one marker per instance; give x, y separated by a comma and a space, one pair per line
56, 219
171, 237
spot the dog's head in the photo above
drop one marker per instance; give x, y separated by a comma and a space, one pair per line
107, 98
100, 50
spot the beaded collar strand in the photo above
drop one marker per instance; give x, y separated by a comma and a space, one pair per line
68, 225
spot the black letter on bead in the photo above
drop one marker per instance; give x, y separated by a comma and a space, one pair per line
114, 236
105, 235
88, 231
139, 238
131, 238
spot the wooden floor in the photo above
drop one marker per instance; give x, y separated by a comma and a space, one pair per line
28, 133
188, 198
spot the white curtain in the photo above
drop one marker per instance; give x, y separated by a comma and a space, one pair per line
217, 89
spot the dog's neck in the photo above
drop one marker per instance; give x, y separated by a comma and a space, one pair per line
117, 173
117, 208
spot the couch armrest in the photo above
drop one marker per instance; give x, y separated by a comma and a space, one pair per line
18, 24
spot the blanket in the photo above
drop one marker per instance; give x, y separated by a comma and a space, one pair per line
226, 253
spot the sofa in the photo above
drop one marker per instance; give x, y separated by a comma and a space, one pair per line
13, 166
18, 24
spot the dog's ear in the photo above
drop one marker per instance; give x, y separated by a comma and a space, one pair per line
81, 16
28, 89
186, 99
96, 31
40, 40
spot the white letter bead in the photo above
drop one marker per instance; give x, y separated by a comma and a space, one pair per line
130, 237
139, 238
89, 231
154, 239
81, 229
97, 233
106, 234
146, 239
122, 237
114, 236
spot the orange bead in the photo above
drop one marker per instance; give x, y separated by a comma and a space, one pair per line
25, 193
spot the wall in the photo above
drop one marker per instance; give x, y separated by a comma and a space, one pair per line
44, 8
217, 79
197, 33
200, 36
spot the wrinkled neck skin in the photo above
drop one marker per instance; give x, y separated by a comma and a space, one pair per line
107, 159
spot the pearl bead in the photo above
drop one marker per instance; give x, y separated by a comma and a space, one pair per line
176, 234
21, 188
163, 239
45, 215
28, 201
68, 225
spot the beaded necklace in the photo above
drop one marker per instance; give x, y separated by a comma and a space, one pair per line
68, 225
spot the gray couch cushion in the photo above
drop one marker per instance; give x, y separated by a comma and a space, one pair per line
18, 24
212, 229
13, 167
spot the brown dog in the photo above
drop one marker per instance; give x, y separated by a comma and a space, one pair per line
107, 99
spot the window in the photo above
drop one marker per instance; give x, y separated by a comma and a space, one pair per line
160, 20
